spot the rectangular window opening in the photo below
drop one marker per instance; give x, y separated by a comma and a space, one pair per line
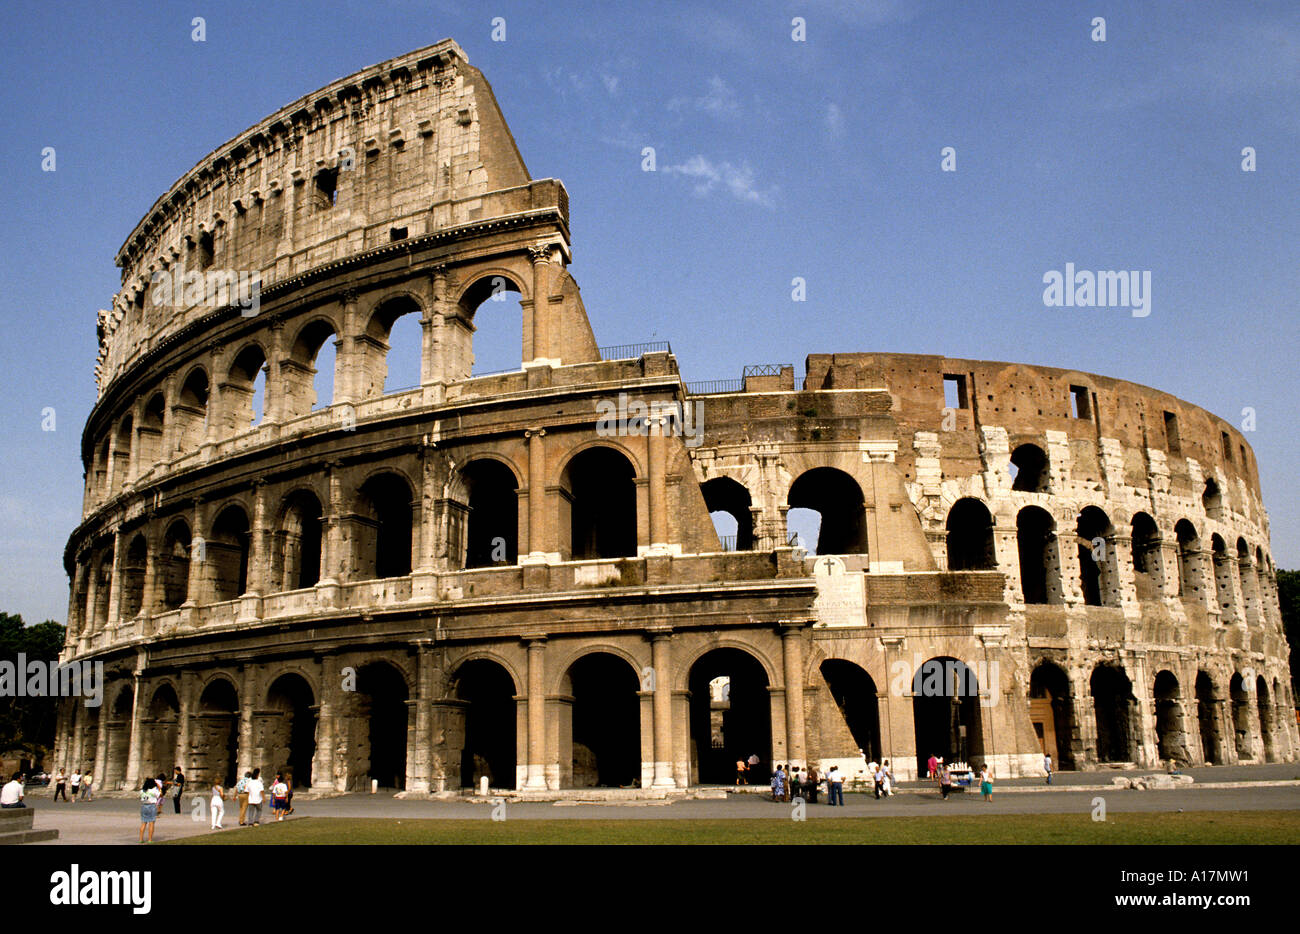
1080, 407
1227, 446
1172, 442
397, 233
954, 391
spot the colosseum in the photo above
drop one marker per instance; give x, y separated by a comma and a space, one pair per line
581, 572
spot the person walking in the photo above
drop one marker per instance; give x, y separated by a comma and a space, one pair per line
740, 773
61, 786
288, 780
150, 795
813, 779
255, 789
889, 779
76, 785
178, 784
241, 795
217, 806
986, 783
835, 782
1047, 766
932, 767
87, 786
279, 797
945, 781
778, 783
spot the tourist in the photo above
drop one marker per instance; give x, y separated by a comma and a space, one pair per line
178, 781
150, 795
163, 785
986, 783
288, 780
889, 778
835, 785
11, 796
255, 788
778, 784
61, 786
945, 780
932, 767
279, 796
241, 795
878, 776
813, 780
1047, 766
740, 772
796, 783
218, 805
76, 785
87, 786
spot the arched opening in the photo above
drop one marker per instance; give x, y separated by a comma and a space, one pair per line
1096, 557
1212, 499
492, 525
137, 555
103, 587
122, 453
1222, 579
1040, 569
384, 524
307, 376
227, 554
191, 412
150, 434
970, 537
1265, 719
381, 699
487, 335
1207, 716
598, 493
1171, 740
1189, 545
1245, 580
606, 722
297, 560
729, 506
1148, 566
174, 565
1114, 704
854, 692
736, 725
837, 498
487, 693
244, 393
160, 732
1029, 469
119, 739
392, 355
215, 735
290, 729
101, 466
1051, 711
1240, 716
946, 713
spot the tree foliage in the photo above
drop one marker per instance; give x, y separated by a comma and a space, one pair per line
28, 722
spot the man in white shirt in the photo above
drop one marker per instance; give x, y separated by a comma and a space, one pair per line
835, 785
255, 788
11, 796
76, 785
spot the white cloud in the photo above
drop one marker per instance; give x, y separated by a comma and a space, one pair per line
718, 100
834, 120
739, 180
610, 82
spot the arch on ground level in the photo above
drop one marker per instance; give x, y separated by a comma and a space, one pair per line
1171, 739
598, 505
1040, 565
383, 527
488, 332
837, 499
1029, 469
487, 691
735, 725
118, 747
1189, 545
946, 713
1240, 699
1208, 720
133, 570
854, 692
730, 507
289, 729
1051, 712
215, 734
1096, 557
1265, 708
1115, 709
1148, 563
382, 711
491, 514
308, 376
296, 560
190, 412
226, 554
970, 536
160, 731
243, 395
174, 565
606, 721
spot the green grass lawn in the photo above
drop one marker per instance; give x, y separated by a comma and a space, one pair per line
1221, 827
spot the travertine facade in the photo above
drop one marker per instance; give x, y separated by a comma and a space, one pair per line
484, 575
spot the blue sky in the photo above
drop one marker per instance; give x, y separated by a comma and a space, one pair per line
776, 159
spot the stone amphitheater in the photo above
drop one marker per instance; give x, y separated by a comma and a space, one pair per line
582, 572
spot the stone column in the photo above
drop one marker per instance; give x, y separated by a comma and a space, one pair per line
137, 731
168, 439
259, 552
147, 599
419, 764
101, 747
247, 702
661, 662
541, 258
327, 588
183, 732
273, 394
115, 586
792, 675
537, 538
536, 712
91, 624
195, 591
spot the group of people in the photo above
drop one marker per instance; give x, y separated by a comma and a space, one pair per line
83, 784
250, 791
807, 782
941, 774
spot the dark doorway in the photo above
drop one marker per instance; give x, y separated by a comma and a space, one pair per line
854, 693
1051, 708
293, 741
1113, 702
1207, 715
838, 499
488, 692
599, 489
382, 691
606, 722
219, 729
732, 720
946, 711
1171, 741
493, 534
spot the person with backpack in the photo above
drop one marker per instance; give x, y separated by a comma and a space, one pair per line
279, 797
241, 795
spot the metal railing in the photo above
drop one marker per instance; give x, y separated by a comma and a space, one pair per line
765, 369
715, 386
632, 351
